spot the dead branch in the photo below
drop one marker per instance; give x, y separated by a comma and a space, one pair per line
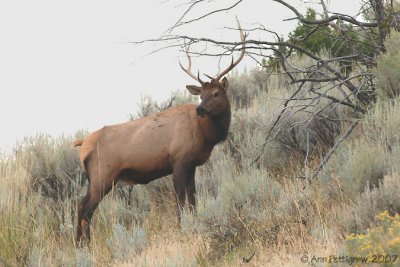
180, 21
328, 19
325, 83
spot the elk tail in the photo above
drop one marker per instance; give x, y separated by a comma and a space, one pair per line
78, 142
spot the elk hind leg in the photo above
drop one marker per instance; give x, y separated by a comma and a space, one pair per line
86, 209
99, 186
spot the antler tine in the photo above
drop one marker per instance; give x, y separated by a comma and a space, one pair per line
208, 76
198, 78
233, 64
187, 71
189, 68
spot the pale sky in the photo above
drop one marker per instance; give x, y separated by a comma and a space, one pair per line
68, 65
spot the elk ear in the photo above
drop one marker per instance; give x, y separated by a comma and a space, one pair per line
225, 84
195, 90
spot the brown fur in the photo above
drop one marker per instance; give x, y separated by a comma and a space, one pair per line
174, 141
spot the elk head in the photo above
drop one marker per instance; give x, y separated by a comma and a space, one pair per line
213, 94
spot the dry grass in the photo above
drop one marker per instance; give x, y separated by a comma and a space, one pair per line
168, 248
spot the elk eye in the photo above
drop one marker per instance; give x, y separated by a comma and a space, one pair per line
216, 94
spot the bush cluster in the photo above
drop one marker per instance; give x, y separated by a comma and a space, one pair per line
388, 65
52, 164
125, 245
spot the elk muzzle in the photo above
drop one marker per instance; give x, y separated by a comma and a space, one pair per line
201, 111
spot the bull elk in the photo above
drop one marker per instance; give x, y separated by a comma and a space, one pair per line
174, 141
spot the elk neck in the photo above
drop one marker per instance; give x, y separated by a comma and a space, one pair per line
216, 127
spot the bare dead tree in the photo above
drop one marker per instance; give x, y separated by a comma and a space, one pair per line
330, 81
380, 15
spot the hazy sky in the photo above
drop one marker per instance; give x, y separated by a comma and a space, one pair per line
68, 65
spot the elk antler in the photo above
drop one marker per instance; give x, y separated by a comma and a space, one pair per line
233, 64
188, 70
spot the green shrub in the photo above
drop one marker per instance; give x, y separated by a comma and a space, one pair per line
244, 88
381, 125
359, 215
295, 138
363, 167
53, 165
361, 163
83, 258
243, 209
124, 244
388, 68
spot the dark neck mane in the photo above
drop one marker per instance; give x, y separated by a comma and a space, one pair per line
220, 126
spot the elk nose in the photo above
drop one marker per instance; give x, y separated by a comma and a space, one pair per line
200, 110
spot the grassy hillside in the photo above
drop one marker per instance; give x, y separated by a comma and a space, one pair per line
266, 208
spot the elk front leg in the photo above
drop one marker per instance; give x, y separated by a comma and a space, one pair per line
191, 190
179, 178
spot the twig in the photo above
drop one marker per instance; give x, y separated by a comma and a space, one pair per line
180, 22
249, 259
